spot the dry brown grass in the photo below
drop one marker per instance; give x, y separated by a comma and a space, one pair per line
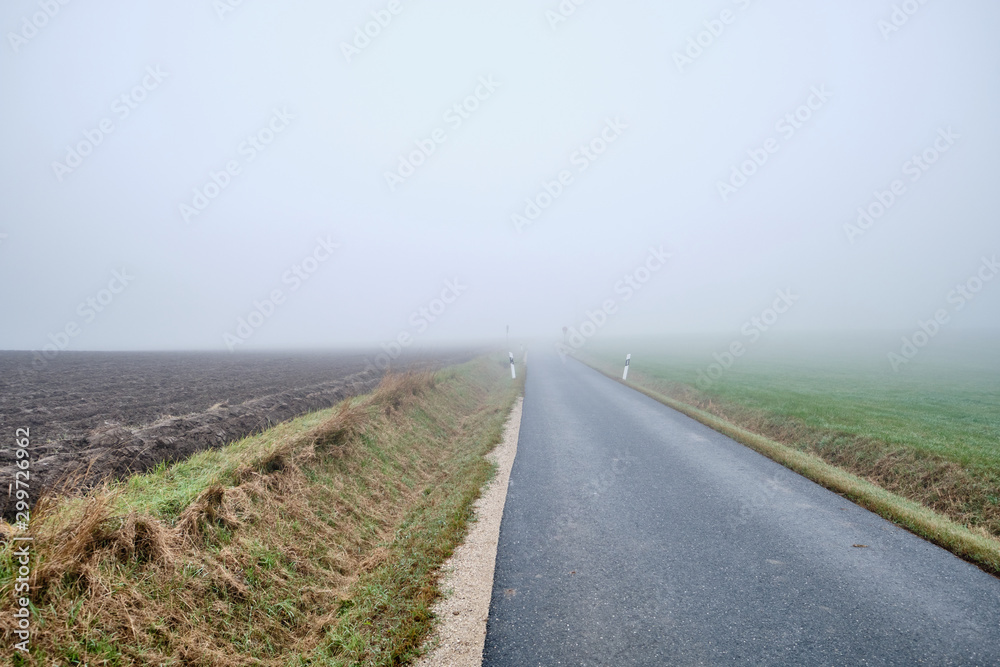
256, 568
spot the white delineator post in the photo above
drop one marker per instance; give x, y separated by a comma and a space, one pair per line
628, 358
513, 376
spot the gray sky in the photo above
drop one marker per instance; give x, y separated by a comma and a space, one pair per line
183, 86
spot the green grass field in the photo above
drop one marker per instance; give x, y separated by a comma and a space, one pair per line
930, 432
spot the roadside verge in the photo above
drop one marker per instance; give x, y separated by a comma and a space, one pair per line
459, 639
316, 542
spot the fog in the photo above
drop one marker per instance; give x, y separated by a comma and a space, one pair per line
258, 175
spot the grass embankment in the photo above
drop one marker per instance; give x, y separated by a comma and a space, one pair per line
316, 542
919, 448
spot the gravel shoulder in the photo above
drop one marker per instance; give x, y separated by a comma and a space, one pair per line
468, 580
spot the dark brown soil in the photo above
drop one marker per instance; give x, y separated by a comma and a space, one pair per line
115, 413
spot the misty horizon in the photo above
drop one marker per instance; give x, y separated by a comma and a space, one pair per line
307, 177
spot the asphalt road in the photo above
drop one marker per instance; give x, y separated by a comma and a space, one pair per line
634, 535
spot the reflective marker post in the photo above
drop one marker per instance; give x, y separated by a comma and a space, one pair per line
628, 358
512, 375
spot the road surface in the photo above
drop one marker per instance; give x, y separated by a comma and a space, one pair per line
634, 535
